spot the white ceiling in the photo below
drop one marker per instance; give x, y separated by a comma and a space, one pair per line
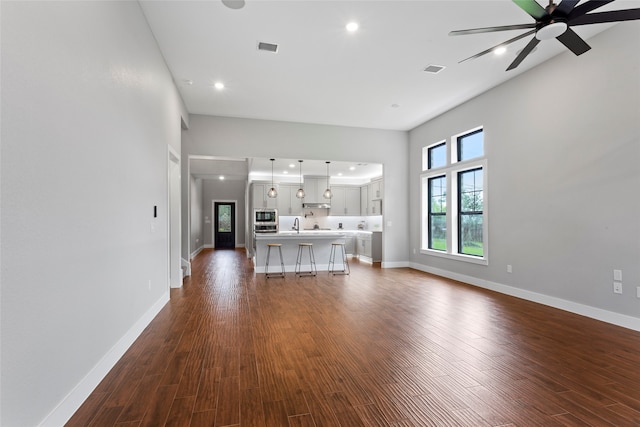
322, 74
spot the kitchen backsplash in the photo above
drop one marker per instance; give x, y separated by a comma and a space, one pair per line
370, 223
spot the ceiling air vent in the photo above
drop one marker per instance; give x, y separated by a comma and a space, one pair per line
434, 69
268, 47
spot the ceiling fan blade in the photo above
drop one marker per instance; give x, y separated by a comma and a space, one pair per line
604, 17
566, 6
586, 8
526, 51
573, 42
532, 8
492, 29
491, 49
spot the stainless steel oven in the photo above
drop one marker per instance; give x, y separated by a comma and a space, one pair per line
265, 220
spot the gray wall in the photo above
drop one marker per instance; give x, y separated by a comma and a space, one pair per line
213, 189
232, 137
88, 111
563, 148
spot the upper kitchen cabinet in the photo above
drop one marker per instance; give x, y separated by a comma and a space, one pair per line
287, 202
375, 189
259, 198
364, 200
345, 200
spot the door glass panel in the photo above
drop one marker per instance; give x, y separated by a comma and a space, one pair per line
224, 218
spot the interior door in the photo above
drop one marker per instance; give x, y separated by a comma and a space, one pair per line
224, 225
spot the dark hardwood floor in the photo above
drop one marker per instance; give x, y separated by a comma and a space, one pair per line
381, 347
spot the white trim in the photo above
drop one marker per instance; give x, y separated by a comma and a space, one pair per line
72, 401
187, 267
618, 319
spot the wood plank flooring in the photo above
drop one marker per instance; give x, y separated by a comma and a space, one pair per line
381, 347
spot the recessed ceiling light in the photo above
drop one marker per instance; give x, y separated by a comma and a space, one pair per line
218, 85
352, 168
292, 165
339, 173
500, 50
352, 27
285, 172
221, 177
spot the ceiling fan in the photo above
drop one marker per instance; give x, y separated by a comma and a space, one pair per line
554, 21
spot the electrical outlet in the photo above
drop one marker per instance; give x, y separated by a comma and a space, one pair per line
638, 291
617, 287
149, 284
509, 268
617, 275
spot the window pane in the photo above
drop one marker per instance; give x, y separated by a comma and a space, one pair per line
470, 187
438, 156
224, 218
437, 225
438, 232
471, 145
470, 200
471, 242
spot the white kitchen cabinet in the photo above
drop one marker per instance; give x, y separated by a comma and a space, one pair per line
352, 201
259, 196
338, 206
287, 202
364, 200
350, 244
375, 190
369, 246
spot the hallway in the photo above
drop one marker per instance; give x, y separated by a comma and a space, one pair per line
381, 347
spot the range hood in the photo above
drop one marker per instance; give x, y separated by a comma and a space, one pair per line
317, 205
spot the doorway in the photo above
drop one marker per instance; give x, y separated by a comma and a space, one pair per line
174, 220
224, 225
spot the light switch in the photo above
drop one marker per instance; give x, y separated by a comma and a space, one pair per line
617, 275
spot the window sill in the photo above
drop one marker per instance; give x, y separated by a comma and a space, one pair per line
457, 257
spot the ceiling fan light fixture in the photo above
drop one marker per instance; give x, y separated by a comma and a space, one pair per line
551, 31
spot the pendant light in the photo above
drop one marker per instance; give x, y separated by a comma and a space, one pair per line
300, 192
272, 191
327, 193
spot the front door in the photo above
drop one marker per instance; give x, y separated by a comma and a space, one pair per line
224, 225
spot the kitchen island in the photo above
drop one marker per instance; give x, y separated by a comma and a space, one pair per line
321, 240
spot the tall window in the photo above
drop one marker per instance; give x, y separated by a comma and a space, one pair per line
454, 198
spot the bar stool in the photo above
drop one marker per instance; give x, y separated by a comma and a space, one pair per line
312, 260
266, 268
332, 259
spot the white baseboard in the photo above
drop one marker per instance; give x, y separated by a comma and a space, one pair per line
70, 404
395, 264
196, 252
562, 304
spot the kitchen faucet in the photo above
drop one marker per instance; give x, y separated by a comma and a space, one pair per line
296, 224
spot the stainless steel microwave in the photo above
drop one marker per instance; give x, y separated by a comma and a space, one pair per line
265, 217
